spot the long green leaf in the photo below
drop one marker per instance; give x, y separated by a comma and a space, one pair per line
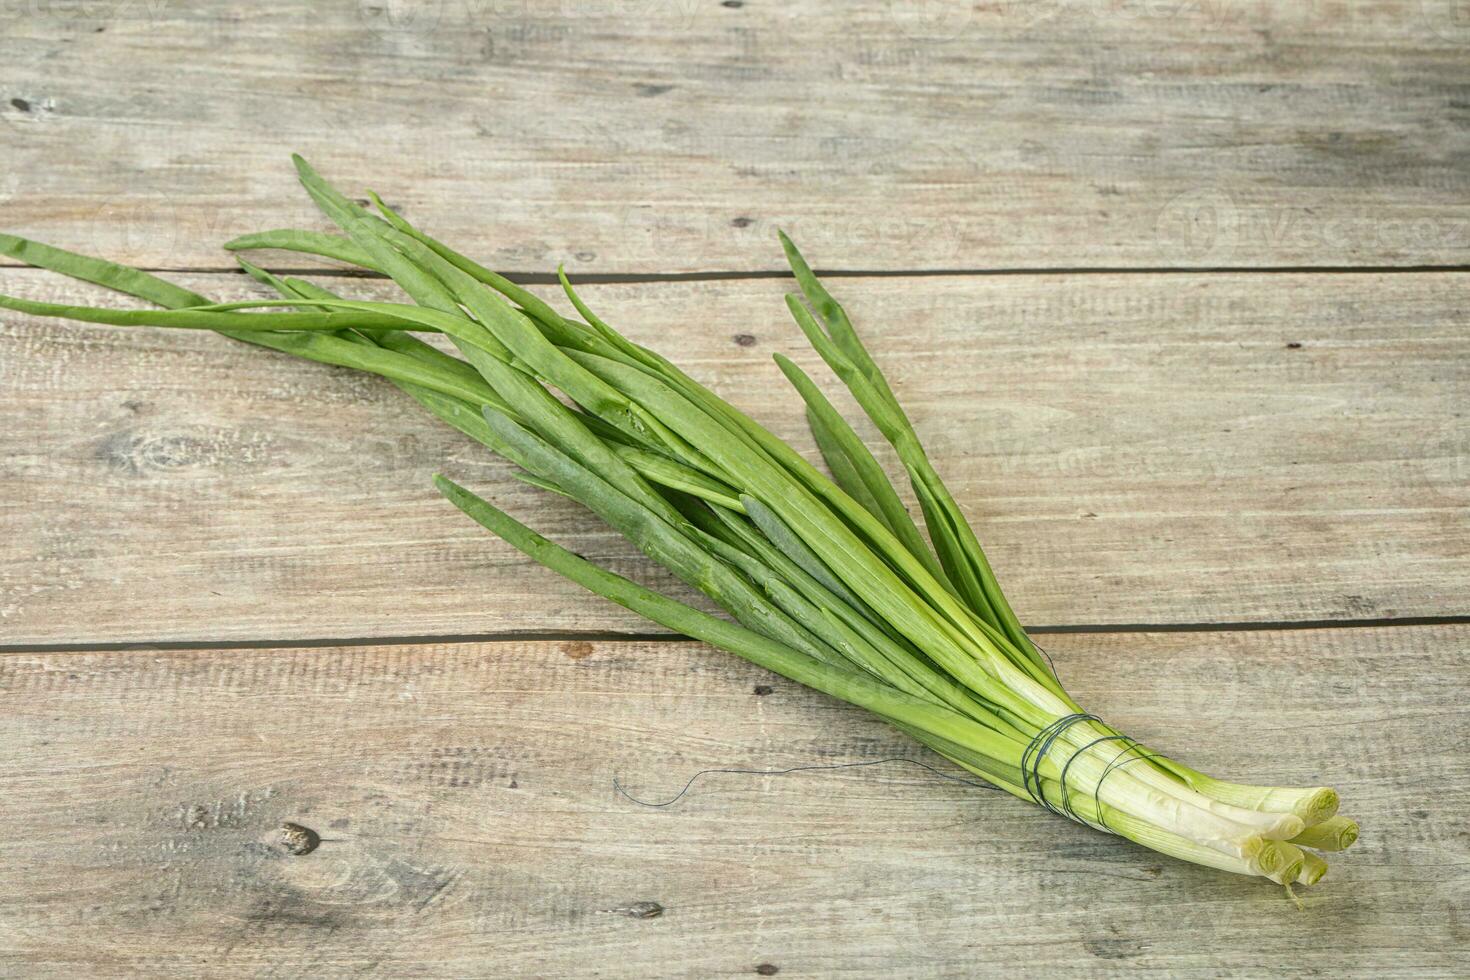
194, 319
954, 539
308, 242
839, 681
845, 445
947, 635
124, 279
652, 534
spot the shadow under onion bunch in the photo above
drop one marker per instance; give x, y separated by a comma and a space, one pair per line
826, 581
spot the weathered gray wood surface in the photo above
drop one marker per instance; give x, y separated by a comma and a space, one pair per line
1133, 449
463, 794
660, 136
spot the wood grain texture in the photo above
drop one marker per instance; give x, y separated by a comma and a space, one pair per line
657, 136
469, 826
1131, 449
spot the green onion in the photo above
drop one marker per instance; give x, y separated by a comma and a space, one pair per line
828, 580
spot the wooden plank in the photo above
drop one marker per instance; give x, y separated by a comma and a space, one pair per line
1131, 449
655, 136
463, 794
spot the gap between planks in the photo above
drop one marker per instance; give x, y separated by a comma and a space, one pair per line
717, 275
613, 636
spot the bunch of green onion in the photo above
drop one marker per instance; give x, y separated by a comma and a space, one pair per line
827, 581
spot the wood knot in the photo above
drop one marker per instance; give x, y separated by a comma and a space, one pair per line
299, 840
638, 910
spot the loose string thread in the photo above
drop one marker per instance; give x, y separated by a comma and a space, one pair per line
783, 772
1049, 661
1032, 756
